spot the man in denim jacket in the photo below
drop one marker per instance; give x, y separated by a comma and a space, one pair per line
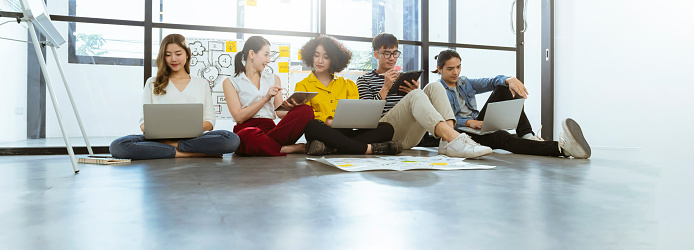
461, 95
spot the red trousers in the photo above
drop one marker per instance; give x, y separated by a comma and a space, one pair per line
260, 136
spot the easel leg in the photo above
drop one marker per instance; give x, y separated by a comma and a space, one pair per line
74, 107
37, 49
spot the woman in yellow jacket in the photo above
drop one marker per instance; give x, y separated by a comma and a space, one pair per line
326, 55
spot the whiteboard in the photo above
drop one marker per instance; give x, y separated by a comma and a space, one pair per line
213, 60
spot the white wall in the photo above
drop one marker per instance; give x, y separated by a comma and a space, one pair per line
623, 70
13, 70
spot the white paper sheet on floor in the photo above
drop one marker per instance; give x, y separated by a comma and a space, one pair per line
399, 163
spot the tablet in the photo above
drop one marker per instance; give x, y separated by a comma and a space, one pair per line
409, 76
298, 97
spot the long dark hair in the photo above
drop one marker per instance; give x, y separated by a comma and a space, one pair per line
163, 70
443, 57
254, 43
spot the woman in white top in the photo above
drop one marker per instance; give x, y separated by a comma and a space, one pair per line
252, 95
174, 84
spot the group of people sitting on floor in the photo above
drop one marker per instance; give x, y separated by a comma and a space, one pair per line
442, 108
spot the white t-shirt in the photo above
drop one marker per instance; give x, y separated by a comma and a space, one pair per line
197, 91
249, 93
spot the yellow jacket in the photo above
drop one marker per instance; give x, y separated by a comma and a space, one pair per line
325, 103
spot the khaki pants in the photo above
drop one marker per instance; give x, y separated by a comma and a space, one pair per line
418, 112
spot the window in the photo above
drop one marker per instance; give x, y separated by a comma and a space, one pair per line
367, 18
92, 40
439, 24
485, 22
112, 34
10, 5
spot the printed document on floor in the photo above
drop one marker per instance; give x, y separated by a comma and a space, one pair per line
399, 163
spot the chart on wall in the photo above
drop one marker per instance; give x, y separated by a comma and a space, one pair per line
213, 60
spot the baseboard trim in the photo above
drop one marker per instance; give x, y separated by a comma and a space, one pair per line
51, 151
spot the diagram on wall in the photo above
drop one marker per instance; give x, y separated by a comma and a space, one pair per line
213, 60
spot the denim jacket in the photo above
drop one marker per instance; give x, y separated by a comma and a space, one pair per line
469, 88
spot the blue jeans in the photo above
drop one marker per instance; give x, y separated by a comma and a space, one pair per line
136, 147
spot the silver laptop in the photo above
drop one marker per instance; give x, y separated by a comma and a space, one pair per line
169, 121
355, 113
500, 116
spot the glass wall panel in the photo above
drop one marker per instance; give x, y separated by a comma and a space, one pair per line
10, 5
290, 15
485, 22
439, 24
366, 18
361, 63
123, 9
107, 96
117, 41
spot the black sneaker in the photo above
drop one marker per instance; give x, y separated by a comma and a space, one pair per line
386, 148
317, 147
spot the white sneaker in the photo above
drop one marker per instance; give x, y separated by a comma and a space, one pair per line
535, 137
464, 146
532, 137
572, 142
442, 147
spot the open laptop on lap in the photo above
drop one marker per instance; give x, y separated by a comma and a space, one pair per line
359, 114
173, 121
500, 116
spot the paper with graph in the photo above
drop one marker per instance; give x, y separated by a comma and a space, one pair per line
400, 163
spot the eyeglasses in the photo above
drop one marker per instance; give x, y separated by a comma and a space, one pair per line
395, 54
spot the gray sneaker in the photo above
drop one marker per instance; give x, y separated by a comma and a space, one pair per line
572, 142
386, 148
318, 148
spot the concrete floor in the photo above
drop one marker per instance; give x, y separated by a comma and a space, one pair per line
608, 202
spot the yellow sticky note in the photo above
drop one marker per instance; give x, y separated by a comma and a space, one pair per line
299, 53
252, 2
231, 46
284, 67
346, 165
439, 164
284, 51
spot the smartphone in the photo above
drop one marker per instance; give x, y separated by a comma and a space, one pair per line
409, 76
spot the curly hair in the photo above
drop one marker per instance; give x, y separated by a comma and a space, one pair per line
338, 53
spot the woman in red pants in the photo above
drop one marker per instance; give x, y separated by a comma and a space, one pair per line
252, 95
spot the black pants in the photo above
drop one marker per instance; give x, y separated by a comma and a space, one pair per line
515, 144
348, 141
